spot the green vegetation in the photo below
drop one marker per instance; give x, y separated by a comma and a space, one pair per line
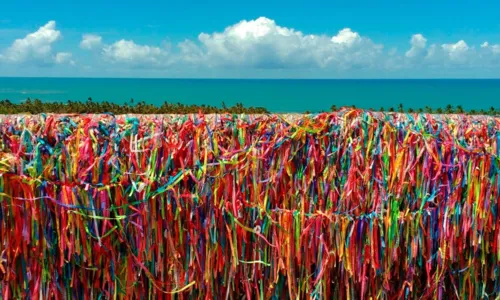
38, 106
449, 109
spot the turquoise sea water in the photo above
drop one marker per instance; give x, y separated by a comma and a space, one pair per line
275, 95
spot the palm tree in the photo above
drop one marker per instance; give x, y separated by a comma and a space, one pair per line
492, 110
400, 108
449, 109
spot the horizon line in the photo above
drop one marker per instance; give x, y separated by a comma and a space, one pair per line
252, 78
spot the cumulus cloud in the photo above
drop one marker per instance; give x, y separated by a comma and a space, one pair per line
64, 57
90, 41
190, 52
128, 52
456, 52
34, 47
261, 43
418, 43
495, 49
445, 55
346, 37
489, 55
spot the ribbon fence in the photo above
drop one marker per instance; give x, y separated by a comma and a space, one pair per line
345, 205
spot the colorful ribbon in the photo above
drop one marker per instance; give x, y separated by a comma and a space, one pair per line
345, 205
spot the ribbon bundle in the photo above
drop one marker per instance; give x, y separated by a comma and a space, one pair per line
348, 205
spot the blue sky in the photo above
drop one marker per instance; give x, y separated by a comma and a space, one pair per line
275, 39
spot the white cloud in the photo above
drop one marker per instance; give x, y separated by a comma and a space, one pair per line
190, 52
495, 49
445, 55
346, 37
261, 43
456, 52
90, 41
126, 51
36, 46
418, 43
258, 46
64, 57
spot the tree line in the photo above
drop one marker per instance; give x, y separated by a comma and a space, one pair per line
92, 107
448, 109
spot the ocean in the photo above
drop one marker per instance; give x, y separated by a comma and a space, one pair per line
275, 95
